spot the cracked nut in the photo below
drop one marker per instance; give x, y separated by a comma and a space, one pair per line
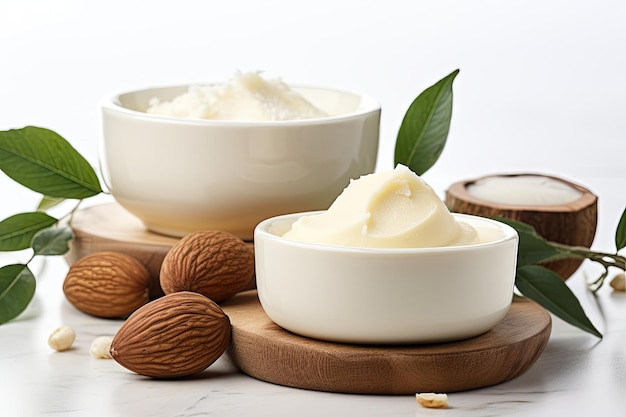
107, 284
432, 400
177, 335
62, 338
213, 263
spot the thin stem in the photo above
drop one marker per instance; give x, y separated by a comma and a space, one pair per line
594, 286
605, 259
69, 216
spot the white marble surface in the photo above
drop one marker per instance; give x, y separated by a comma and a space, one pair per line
541, 89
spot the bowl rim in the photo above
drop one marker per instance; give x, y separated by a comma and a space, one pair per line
111, 102
262, 230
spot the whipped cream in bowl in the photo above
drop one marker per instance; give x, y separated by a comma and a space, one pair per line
386, 263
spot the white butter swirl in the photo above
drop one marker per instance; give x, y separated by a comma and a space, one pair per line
391, 209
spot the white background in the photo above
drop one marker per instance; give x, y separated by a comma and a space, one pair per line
541, 87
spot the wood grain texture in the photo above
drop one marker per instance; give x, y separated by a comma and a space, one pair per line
109, 227
265, 351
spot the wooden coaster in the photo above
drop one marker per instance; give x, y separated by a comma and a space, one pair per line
109, 227
267, 352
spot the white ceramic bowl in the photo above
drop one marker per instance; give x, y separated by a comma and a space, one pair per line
180, 175
385, 296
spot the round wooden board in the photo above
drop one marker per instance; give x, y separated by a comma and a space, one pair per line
109, 227
267, 352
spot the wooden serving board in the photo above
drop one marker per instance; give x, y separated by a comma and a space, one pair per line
267, 352
109, 227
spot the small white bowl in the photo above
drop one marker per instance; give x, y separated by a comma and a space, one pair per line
385, 296
180, 175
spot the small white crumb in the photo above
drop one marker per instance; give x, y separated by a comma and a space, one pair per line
100, 347
62, 338
432, 400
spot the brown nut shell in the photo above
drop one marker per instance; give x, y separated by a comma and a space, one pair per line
214, 263
177, 335
107, 284
572, 224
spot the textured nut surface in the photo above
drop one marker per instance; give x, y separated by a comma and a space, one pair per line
176, 335
100, 347
432, 400
214, 263
62, 338
107, 284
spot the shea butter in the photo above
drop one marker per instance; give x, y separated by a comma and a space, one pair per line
524, 190
390, 209
245, 97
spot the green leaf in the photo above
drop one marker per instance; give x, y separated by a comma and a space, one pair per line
425, 127
46, 163
532, 247
17, 232
548, 289
53, 241
48, 202
17, 287
620, 233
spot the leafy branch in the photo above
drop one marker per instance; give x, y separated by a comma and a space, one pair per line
421, 139
545, 286
44, 162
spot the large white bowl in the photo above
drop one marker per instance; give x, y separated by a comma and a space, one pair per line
181, 175
385, 296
